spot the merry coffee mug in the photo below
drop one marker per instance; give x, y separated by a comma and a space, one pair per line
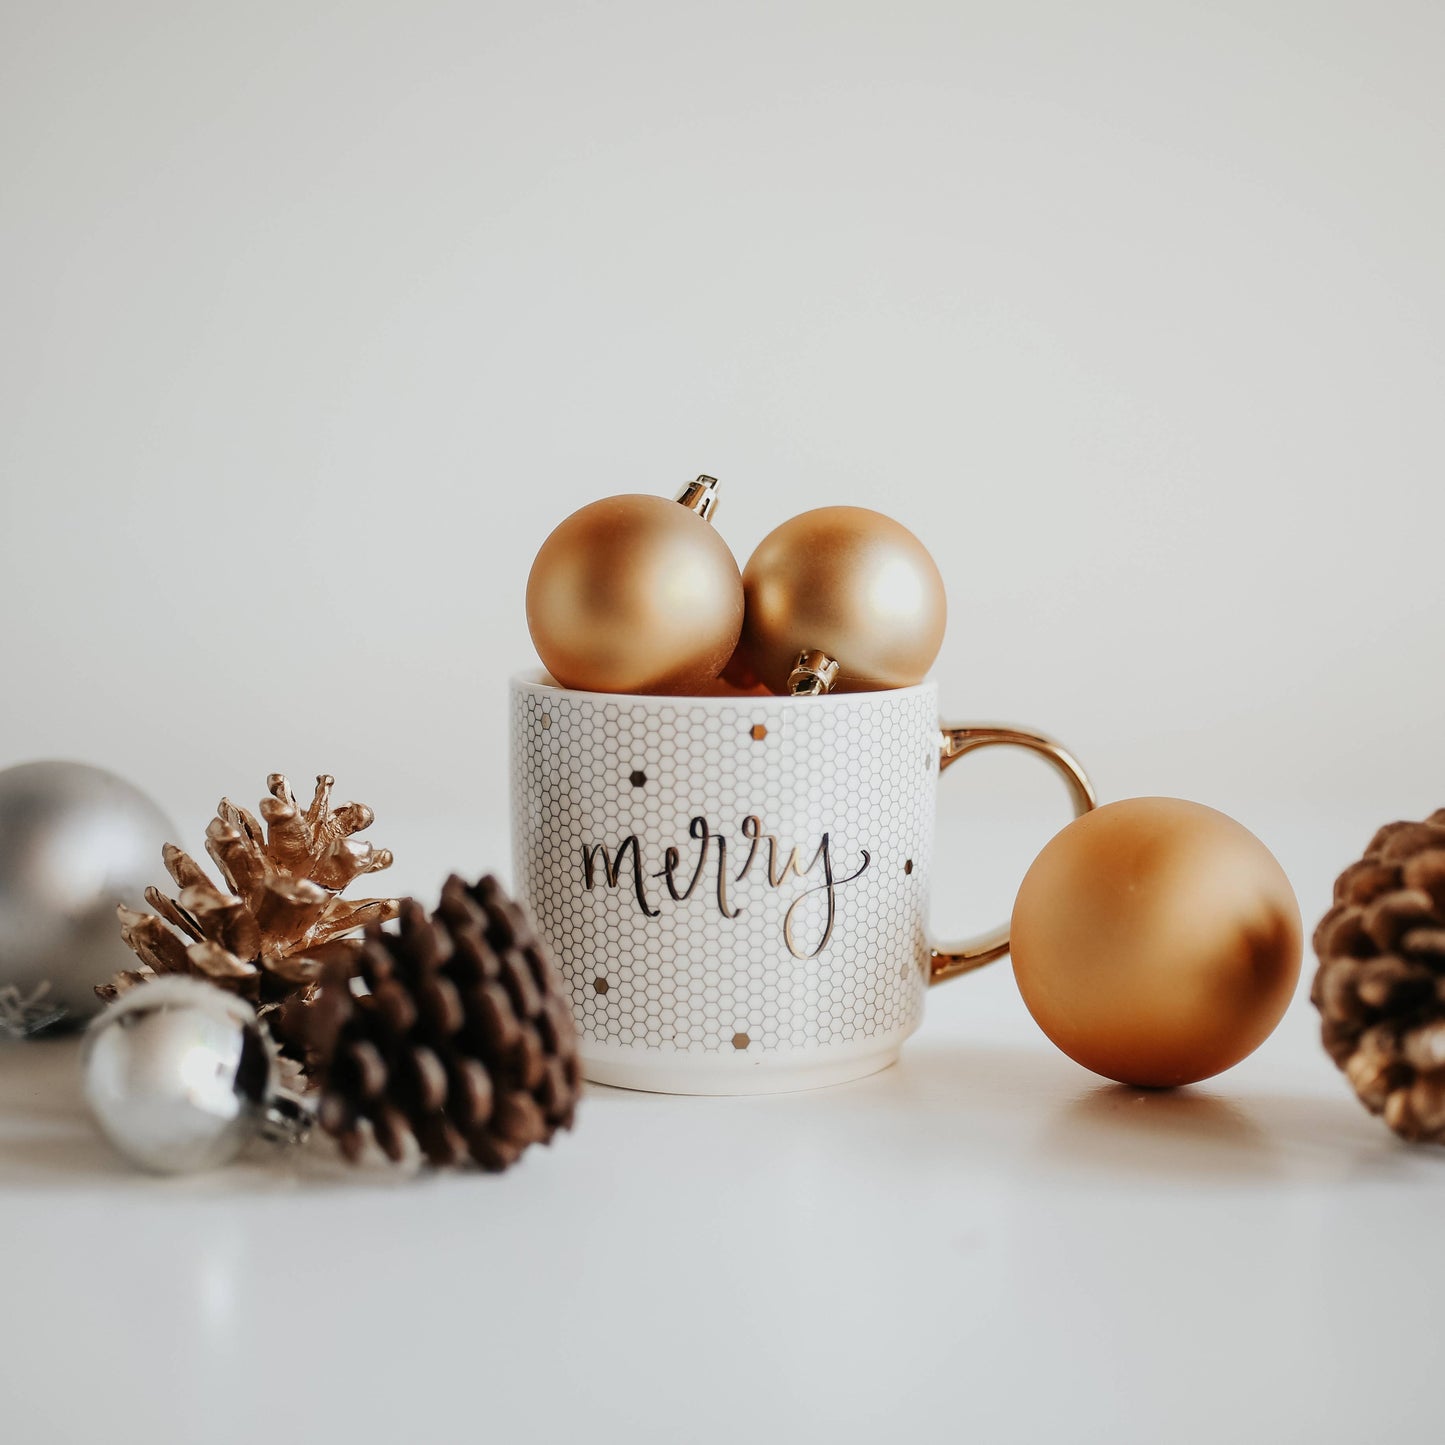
735, 887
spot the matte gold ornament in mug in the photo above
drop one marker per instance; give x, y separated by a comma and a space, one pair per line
735, 888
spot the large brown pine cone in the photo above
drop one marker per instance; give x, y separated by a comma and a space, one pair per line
1381, 981
284, 903
451, 1029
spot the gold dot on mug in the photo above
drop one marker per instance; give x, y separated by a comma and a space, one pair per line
741, 1041
546, 719
759, 732
908, 866
600, 984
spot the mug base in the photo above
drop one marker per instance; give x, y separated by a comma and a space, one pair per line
680, 1074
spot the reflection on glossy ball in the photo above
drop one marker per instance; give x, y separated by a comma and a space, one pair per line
847, 582
1156, 941
74, 842
635, 594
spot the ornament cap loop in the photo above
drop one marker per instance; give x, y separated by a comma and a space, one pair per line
813, 674
286, 1120
700, 496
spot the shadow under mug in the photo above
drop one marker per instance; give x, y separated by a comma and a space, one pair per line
735, 887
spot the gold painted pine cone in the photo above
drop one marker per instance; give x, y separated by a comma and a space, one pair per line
262, 938
451, 1030
1380, 988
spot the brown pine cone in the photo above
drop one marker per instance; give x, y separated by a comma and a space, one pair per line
284, 903
451, 1029
1381, 981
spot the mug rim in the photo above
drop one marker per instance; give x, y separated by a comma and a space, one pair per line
535, 680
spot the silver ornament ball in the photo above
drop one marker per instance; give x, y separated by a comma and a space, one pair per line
178, 1074
74, 842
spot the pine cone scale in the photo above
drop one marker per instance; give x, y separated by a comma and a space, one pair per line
155, 944
1427, 873
184, 869
239, 864
471, 1098
1424, 1048
216, 963
531, 1064
1364, 881
174, 914
1425, 942
497, 1024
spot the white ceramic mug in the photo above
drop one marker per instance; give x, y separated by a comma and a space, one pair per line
735, 888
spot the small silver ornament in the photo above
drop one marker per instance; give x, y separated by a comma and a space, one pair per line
180, 1075
74, 841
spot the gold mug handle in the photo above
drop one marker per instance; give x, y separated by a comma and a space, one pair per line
965, 957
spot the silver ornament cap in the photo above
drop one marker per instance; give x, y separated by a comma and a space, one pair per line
180, 1074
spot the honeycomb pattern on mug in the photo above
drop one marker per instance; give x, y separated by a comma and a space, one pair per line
654, 844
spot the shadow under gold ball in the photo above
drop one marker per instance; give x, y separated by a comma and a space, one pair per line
1156, 941
635, 594
848, 582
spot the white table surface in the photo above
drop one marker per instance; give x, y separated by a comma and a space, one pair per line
984, 1242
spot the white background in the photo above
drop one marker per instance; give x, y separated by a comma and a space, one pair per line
316, 317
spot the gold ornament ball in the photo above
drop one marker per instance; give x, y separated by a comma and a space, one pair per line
848, 582
635, 594
1156, 942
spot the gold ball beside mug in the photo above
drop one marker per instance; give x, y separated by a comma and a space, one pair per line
1156, 941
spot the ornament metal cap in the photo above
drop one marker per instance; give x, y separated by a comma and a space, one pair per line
813, 675
700, 496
